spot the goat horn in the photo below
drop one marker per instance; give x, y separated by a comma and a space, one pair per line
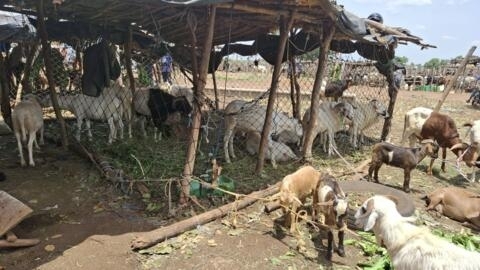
468, 124
297, 200
427, 141
461, 145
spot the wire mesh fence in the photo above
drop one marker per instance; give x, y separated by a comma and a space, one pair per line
244, 80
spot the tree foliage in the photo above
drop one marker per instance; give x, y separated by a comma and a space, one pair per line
401, 60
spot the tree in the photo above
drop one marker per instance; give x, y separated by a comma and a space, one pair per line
432, 63
401, 60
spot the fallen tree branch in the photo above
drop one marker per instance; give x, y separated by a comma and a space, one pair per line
154, 237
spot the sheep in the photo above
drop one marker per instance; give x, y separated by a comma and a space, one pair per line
426, 124
104, 107
331, 202
27, 119
330, 119
159, 105
409, 246
124, 94
456, 203
366, 115
295, 189
400, 157
471, 152
278, 152
241, 116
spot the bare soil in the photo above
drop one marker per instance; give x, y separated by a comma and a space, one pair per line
83, 222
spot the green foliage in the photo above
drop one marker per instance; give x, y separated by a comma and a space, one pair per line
466, 240
143, 77
401, 60
432, 63
310, 56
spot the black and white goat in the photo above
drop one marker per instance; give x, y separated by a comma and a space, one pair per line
330, 203
159, 105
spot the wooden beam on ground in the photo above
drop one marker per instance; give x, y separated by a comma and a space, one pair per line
50, 76
327, 33
154, 237
267, 126
452, 82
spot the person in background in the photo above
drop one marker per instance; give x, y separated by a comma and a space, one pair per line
166, 62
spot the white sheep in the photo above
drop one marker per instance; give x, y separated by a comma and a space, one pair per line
105, 107
414, 120
241, 116
330, 119
124, 94
410, 246
278, 152
27, 118
366, 115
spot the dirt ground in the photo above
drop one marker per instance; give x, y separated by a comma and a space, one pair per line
85, 223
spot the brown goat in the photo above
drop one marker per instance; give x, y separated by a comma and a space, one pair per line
456, 203
295, 189
400, 157
442, 129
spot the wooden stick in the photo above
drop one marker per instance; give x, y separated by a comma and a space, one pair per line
19, 243
452, 82
154, 237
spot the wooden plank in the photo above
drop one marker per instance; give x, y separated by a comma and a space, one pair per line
12, 212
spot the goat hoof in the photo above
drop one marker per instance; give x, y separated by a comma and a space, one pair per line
329, 256
407, 190
341, 251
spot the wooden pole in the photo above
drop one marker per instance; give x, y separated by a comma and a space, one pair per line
293, 89
5, 93
49, 69
328, 30
214, 80
26, 85
452, 82
154, 237
199, 86
284, 30
127, 47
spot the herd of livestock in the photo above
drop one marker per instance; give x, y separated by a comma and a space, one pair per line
405, 242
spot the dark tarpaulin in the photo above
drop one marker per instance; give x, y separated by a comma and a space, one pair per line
15, 27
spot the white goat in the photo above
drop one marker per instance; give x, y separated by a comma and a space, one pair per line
105, 107
27, 118
366, 115
414, 120
474, 132
241, 116
330, 119
409, 246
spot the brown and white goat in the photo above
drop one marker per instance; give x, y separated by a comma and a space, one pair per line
27, 119
456, 203
331, 204
295, 189
400, 157
424, 123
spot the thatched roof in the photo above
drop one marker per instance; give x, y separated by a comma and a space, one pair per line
169, 21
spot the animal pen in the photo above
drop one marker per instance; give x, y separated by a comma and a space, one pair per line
277, 55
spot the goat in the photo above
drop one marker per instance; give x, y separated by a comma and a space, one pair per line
400, 157
471, 152
124, 94
279, 151
104, 107
409, 246
331, 203
155, 103
330, 119
335, 89
456, 203
295, 189
426, 124
241, 116
366, 115
27, 119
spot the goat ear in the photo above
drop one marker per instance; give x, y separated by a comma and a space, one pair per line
372, 219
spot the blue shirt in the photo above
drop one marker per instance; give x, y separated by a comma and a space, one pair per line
166, 61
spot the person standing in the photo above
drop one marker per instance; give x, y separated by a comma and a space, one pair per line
167, 62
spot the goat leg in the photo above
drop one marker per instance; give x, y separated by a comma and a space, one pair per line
31, 139
429, 169
20, 149
406, 180
330, 246
444, 155
341, 248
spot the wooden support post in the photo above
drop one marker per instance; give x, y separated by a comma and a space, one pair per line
387, 125
214, 79
284, 30
127, 47
200, 80
328, 30
5, 93
50, 76
32, 54
294, 88
452, 82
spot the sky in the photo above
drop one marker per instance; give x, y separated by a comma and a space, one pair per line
452, 25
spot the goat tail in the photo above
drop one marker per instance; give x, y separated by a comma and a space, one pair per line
22, 129
405, 121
